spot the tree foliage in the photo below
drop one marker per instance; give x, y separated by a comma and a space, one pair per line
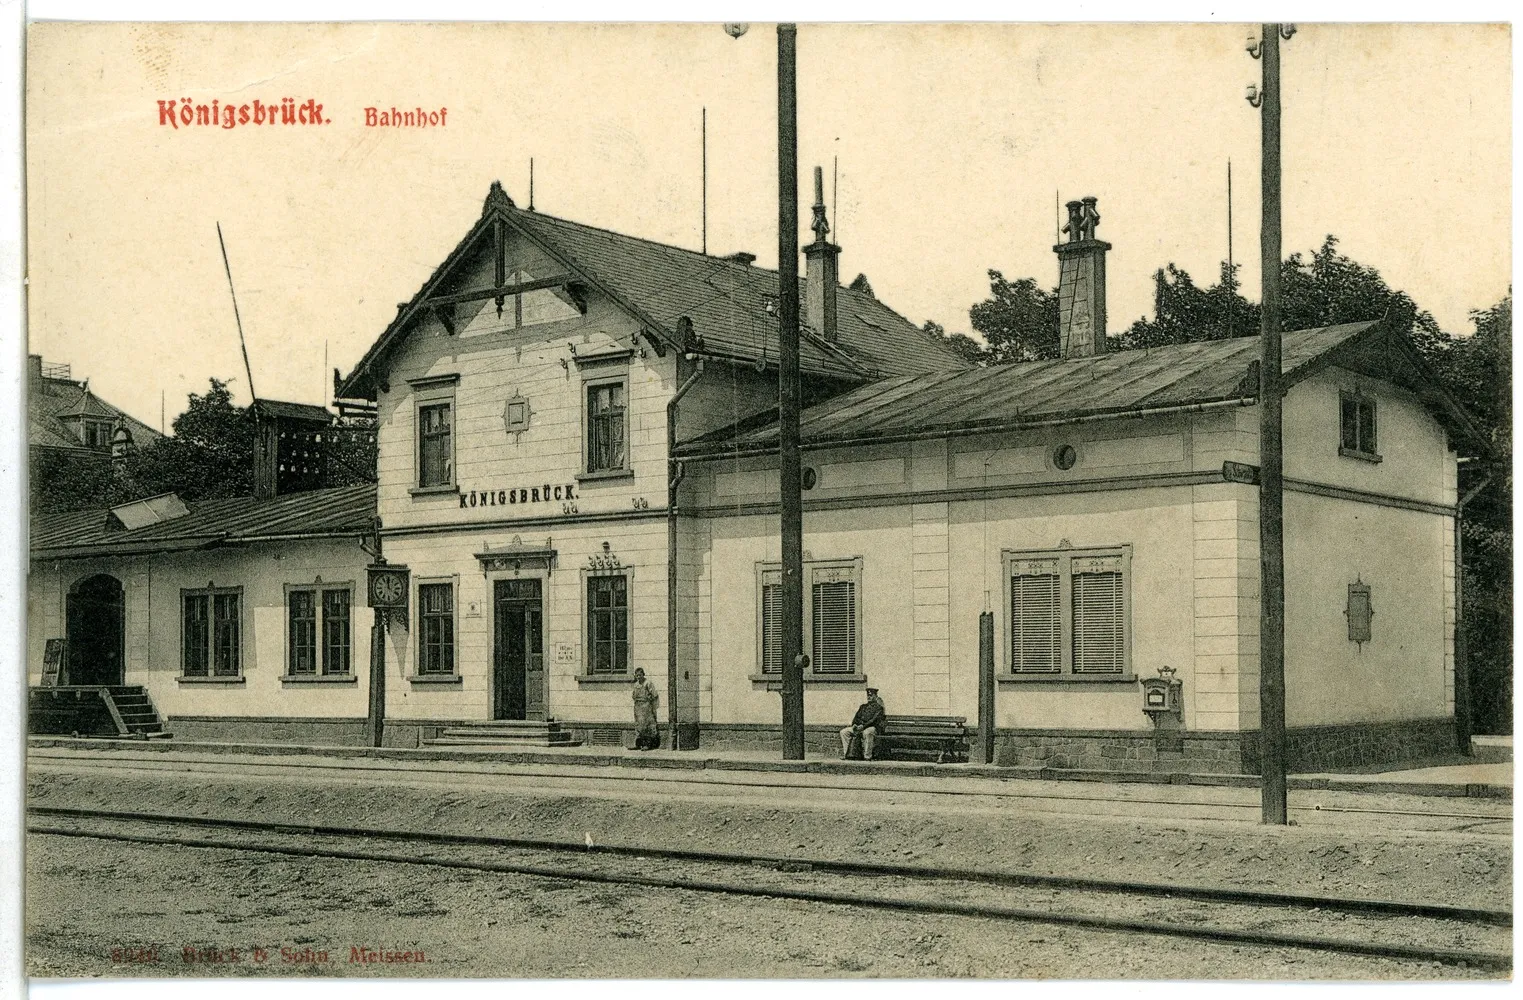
1018, 321
1322, 288
1477, 371
963, 345
210, 456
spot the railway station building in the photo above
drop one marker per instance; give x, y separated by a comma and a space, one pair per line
577, 477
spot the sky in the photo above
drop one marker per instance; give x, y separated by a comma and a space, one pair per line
953, 142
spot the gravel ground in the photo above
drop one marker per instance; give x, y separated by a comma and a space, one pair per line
518, 926
148, 905
1460, 869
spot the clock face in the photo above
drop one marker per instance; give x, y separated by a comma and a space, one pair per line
388, 589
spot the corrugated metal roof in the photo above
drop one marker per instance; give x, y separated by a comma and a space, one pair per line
1008, 395
727, 302
348, 510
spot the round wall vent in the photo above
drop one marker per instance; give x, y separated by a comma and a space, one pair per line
1064, 456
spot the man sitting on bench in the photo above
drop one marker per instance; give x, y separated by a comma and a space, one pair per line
867, 723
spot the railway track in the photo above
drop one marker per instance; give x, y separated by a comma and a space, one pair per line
1180, 802
1403, 931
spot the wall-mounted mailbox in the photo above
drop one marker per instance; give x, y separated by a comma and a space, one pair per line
1162, 698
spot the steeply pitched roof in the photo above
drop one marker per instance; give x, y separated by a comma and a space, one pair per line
50, 399
1120, 383
727, 302
344, 511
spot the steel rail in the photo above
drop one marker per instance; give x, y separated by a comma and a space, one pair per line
1476, 959
668, 775
1382, 907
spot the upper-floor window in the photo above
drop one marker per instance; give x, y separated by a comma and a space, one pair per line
435, 454
434, 398
1070, 612
607, 426
211, 632
1357, 426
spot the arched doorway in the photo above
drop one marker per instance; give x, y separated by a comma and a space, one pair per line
95, 631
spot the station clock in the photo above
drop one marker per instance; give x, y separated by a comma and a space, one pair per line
387, 587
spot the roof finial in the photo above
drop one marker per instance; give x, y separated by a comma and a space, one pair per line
819, 225
497, 196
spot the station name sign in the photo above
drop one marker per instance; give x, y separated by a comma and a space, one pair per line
544, 493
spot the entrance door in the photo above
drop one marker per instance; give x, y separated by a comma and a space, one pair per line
518, 660
94, 630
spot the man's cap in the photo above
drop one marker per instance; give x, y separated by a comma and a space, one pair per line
872, 690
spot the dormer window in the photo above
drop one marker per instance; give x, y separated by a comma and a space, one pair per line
1357, 426
97, 434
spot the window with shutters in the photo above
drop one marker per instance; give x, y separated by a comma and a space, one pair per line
831, 619
211, 632
1356, 431
318, 638
771, 652
1036, 641
1070, 614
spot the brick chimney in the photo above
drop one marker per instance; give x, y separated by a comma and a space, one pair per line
1081, 283
822, 277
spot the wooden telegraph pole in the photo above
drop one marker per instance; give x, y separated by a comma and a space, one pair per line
1271, 458
788, 396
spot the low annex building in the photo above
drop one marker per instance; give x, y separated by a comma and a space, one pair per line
577, 476
241, 618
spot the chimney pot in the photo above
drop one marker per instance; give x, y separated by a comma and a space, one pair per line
1081, 283
822, 276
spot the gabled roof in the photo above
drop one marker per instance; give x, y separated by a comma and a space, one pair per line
1121, 383
727, 302
51, 401
332, 513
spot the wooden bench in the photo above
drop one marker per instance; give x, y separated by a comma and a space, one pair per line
942, 739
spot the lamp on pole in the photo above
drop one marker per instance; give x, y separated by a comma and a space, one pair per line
789, 471
1272, 762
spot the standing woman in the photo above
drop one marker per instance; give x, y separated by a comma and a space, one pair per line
647, 736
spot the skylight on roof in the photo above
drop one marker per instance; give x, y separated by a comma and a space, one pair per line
153, 510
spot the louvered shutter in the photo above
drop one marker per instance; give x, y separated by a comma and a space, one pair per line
1099, 616
1036, 633
835, 627
772, 632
